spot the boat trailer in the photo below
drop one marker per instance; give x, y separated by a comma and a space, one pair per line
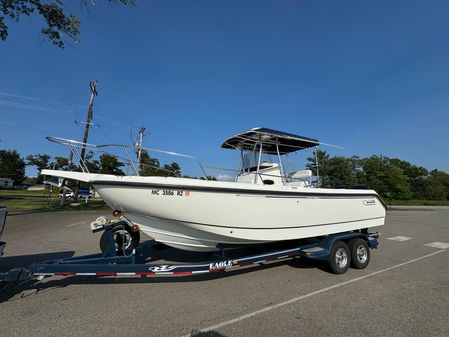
339, 250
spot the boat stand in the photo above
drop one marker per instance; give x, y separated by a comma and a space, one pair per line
116, 262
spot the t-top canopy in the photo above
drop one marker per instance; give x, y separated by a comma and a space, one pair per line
269, 138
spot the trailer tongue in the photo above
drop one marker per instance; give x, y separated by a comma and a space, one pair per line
118, 259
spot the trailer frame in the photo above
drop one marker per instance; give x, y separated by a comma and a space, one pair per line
116, 262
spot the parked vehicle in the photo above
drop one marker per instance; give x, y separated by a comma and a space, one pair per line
68, 194
84, 193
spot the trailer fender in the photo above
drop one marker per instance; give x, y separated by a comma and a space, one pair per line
321, 250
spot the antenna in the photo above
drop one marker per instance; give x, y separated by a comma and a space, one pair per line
316, 163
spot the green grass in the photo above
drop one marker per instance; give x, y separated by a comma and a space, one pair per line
23, 193
418, 202
41, 201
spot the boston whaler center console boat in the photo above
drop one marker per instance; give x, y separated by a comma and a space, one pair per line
263, 204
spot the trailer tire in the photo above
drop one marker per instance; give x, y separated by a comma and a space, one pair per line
360, 253
124, 238
339, 258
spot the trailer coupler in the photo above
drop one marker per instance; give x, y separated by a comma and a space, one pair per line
15, 276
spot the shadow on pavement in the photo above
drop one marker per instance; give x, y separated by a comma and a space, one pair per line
9, 262
34, 286
206, 334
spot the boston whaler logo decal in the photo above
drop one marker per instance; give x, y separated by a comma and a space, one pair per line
220, 265
369, 202
162, 268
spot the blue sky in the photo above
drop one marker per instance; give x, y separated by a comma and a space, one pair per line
370, 76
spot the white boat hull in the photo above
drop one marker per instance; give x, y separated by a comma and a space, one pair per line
200, 215
198, 239
200, 219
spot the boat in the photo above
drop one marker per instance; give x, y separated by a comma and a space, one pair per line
263, 203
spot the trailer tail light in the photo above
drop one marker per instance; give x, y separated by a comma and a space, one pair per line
116, 213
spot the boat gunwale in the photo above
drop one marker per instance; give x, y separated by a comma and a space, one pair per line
233, 190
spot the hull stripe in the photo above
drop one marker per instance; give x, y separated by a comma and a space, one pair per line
265, 228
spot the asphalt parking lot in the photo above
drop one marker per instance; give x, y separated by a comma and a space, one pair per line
403, 292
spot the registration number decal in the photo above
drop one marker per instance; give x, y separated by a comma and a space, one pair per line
171, 193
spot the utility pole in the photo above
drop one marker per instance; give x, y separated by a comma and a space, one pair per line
93, 93
138, 144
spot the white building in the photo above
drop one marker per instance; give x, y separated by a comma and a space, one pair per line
6, 183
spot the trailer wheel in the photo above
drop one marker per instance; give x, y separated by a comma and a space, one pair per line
340, 258
360, 253
124, 239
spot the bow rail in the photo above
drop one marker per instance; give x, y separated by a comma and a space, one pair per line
76, 147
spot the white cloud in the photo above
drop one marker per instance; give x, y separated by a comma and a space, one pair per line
224, 177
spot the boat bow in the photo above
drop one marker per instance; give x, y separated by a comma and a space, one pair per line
80, 176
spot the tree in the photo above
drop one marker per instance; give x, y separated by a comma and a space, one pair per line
415, 176
61, 163
12, 166
386, 178
92, 164
375, 174
322, 157
173, 169
339, 172
211, 178
437, 186
29, 181
41, 161
110, 165
151, 167
397, 182
59, 24
336, 171
316, 163
390, 177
